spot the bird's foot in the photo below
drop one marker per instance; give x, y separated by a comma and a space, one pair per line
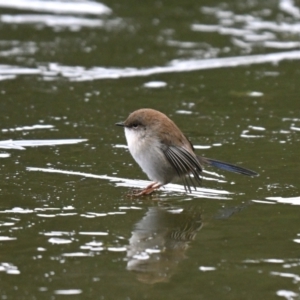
147, 191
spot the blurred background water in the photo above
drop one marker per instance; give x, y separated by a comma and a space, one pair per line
226, 72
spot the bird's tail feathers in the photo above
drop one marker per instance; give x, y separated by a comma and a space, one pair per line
226, 166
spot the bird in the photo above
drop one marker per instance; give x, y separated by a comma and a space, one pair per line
164, 153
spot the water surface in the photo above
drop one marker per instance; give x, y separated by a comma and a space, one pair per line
227, 73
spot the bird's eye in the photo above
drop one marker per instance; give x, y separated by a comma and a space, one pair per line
135, 125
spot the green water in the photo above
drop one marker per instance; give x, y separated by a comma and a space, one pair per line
73, 232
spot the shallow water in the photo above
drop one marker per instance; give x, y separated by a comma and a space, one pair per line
227, 74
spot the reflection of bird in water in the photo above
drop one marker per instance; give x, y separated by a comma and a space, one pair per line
159, 241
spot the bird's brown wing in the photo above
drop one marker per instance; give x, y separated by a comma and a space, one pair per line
186, 164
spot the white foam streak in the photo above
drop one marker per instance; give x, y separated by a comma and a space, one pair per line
201, 192
75, 74
282, 200
176, 66
52, 21
288, 6
70, 7
21, 144
287, 200
78, 73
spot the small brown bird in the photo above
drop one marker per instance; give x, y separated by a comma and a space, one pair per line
164, 153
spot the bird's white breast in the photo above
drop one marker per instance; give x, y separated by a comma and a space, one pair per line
146, 151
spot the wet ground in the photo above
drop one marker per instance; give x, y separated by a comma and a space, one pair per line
226, 73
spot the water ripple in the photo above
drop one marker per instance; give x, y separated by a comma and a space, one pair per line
201, 192
55, 71
71, 7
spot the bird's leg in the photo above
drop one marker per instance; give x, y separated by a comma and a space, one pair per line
149, 189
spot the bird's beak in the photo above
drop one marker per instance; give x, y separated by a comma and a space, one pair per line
120, 124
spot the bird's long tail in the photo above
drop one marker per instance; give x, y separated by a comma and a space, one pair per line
226, 166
